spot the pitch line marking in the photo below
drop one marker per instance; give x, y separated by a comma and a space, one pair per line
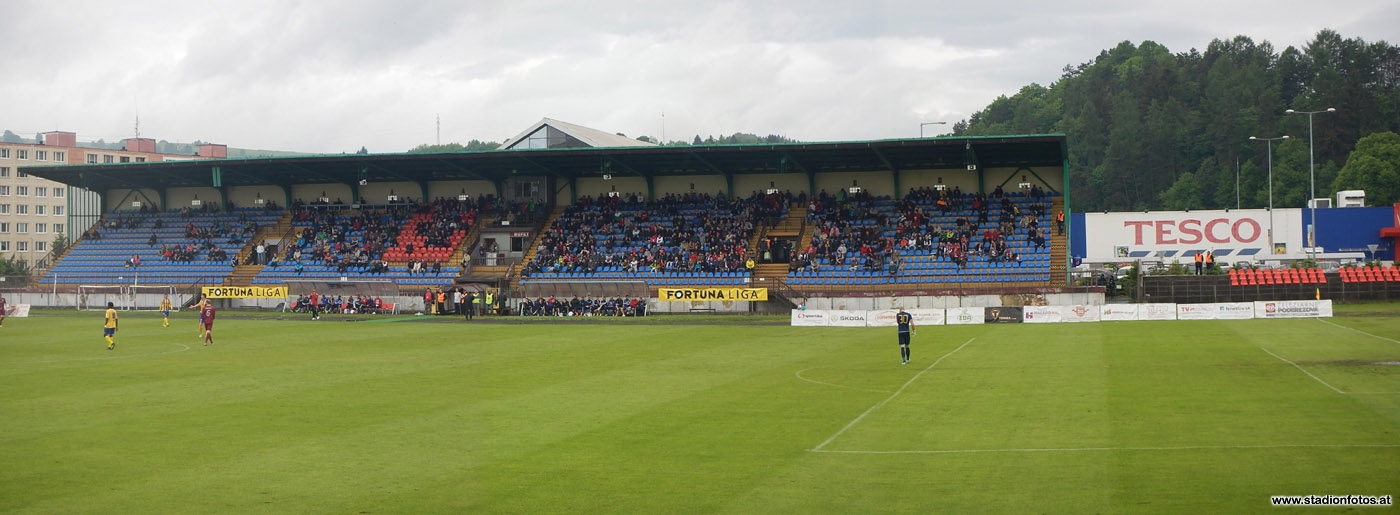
799, 376
1109, 449
1301, 369
896, 393
1358, 331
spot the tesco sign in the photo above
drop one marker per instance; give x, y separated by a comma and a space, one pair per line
1173, 234
1192, 231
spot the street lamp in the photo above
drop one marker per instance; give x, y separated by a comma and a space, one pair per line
1270, 142
1312, 178
921, 126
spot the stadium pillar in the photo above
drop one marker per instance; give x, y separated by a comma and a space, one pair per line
897, 190
573, 191
651, 188
223, 198
423, 191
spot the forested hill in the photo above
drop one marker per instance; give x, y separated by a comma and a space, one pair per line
1152, 129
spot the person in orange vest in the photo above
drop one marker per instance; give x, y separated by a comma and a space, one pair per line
1200, 259
1060, 223
1210, 261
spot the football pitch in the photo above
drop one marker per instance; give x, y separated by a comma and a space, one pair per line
693, 415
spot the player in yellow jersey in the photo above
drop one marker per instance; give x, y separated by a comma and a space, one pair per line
165, 310
109, 326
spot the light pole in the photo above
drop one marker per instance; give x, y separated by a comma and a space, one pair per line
921, 126
1312, 179
1270, 143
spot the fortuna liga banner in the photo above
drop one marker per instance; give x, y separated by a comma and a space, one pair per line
703, 294
245, 292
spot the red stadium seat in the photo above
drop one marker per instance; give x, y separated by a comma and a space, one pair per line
1234, 277
1293, 276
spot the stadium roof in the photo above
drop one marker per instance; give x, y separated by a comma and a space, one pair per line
587, 136
953, 153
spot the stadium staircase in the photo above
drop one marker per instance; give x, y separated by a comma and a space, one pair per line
534, 244
479, 272
242, 275
1059, 246
791, 227
244, 271
37, 276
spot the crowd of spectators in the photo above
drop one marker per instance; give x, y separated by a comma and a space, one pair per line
441, 218
584, 307
845, 238
344, 239
692, 232
843, 235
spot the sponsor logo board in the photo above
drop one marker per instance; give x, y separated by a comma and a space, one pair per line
1080, 313
1003, 315
801, 317
245, 292
1042, 314
963, 316
700, 294
1118, 312
1293, 309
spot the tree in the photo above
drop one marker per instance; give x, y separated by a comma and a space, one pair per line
1374, 167
59, 245
1184, 194
14, 267
1138, 117
362, 150
471, 146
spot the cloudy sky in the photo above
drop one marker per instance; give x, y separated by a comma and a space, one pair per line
333, 75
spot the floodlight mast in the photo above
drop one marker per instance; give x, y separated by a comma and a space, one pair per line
1270, 143
1312, 179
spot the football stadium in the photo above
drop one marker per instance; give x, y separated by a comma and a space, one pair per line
580, 322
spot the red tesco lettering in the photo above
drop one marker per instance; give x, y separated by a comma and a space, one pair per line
1192, 231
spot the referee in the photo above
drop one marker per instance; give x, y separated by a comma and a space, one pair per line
906, 328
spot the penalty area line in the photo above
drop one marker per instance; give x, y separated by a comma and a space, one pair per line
1112, 449
1301, 369
1358, 331
799, 376
896, 393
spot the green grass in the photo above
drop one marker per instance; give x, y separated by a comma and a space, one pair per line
692, 415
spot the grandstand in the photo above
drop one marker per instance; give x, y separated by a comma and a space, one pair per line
172, 248
697, 217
